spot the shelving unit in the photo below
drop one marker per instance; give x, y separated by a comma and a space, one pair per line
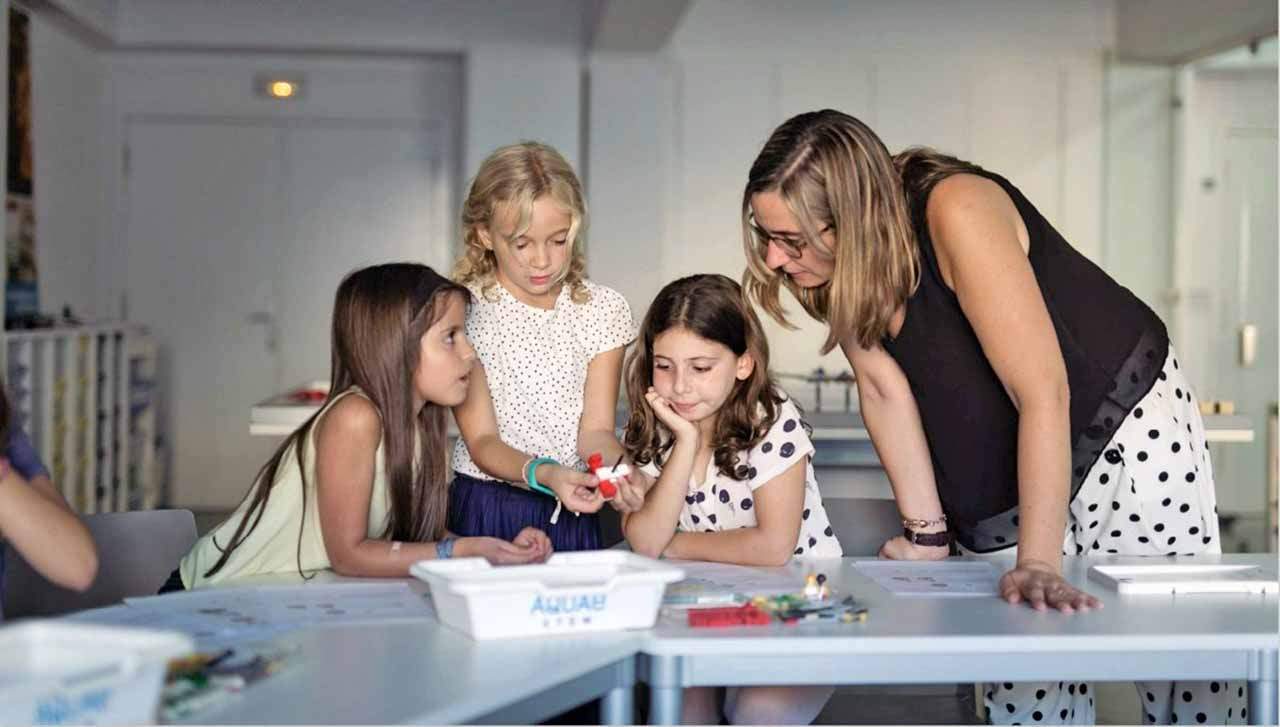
86, 398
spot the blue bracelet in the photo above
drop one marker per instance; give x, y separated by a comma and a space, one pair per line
531, 477
444, 547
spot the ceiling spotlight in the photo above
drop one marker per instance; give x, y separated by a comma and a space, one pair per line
279, 86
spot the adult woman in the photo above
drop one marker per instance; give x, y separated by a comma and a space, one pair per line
1016, 394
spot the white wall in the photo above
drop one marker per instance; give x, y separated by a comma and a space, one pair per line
518, 92
68, 96
631, 127
522, 79
1014, 86
93, 19
377, 25
523, 76
1139, 181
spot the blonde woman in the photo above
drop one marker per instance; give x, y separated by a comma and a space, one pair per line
1017, 395
549, 343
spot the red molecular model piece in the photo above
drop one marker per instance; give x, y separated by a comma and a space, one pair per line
595, 463
745, 615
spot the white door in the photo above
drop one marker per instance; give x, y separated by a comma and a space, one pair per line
1248, 309
202, 199
1230, 283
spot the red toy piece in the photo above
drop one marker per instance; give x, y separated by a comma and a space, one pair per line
595, 462
310, 395
745, 615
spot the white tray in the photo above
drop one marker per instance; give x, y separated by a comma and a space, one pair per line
596, 590
56, 672
1184, 578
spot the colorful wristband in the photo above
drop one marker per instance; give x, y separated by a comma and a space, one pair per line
444, 547
531, 476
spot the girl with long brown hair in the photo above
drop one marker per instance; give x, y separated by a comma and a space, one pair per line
731, 454
361, 487
1018, 397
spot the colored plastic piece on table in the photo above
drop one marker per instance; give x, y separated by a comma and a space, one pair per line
746, 615
595, 463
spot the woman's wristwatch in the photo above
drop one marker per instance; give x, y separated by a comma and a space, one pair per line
933, 540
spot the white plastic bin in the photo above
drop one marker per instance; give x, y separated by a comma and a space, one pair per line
55, 672
597, 590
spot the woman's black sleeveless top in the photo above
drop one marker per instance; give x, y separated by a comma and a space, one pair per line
1114, 347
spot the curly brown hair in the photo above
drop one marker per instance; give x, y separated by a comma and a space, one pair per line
518, 175
711, 307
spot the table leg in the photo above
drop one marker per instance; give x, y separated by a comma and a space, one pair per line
666, 692
1262, 701
618, 707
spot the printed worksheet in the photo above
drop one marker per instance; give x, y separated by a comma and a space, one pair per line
211, 631
222, 617
931, 578
344, 603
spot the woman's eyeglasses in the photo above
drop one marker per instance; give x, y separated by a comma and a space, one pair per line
792, 245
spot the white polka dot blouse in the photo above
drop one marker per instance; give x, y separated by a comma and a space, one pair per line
722, 503
536, 361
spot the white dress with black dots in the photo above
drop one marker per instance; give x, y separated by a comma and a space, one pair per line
535, 361
723, 503
1150, 493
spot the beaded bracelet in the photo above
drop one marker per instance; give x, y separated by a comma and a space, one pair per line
914, 523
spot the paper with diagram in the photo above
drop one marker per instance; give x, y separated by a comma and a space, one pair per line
932, 578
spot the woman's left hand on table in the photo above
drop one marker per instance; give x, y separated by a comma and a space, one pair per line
1042, 587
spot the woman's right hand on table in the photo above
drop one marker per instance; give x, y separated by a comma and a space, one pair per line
899, 548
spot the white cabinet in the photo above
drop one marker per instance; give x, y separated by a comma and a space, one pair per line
86, 398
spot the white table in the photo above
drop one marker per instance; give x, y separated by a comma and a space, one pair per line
428, 674
943, 640
422, 672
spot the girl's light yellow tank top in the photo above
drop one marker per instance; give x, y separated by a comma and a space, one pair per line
273, 547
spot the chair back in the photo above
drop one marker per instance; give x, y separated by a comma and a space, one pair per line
136, 553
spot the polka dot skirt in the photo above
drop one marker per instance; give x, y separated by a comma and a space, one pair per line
1150, 493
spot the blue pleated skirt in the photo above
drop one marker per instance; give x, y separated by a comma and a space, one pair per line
496, 509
